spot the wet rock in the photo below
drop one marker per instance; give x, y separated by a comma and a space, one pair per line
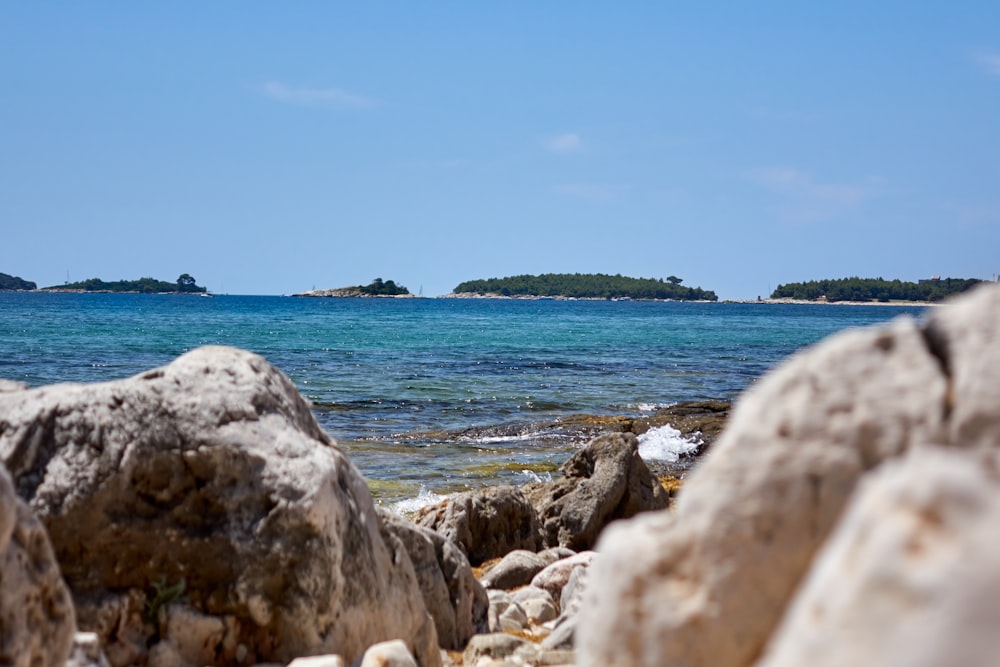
487, 523
455, 599
210, 479
37, 623
708, 583
603, 482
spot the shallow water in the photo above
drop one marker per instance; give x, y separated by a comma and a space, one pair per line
434, 394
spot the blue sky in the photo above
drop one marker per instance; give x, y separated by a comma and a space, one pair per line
267, 148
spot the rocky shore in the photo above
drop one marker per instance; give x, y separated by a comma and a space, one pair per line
353, 292
197, 514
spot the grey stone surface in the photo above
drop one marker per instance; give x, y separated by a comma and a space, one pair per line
707, 585
517, 569
604, 481
909, 576
455, 599
211, 472
37, 622
487, 523
556, 575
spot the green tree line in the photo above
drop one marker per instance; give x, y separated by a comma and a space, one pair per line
8, 282
874, 289
379, 287
587, 286
184, 283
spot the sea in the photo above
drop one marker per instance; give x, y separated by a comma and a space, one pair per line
431, 397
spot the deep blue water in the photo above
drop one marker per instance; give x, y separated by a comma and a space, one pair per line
394, 379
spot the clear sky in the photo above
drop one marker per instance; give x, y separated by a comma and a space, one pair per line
272, 147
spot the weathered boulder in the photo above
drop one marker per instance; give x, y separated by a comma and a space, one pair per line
909, 576
708, 584
537, 604
604, 481
210, 480
519, 566
37, 623
487, 523
455, 599
555, 576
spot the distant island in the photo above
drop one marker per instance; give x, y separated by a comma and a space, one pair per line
185, 284
584, 286
376, 288
10, 283
874, 289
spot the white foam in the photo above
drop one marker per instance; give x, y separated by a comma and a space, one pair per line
536, 477
665, 443
425, 498
649, 407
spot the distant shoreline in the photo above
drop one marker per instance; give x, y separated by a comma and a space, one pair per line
808, 302
102, 291
512, 297
794, 302
539, 297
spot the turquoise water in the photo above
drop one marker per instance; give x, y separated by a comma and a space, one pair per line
439, 394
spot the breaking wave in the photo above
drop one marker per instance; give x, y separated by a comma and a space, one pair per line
667, 444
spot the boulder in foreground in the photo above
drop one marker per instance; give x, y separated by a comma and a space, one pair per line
37, 622
208, 484
708, 584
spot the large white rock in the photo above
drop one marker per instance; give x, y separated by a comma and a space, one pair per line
36, 612
910, 575
211, 472
708, 585
966, 340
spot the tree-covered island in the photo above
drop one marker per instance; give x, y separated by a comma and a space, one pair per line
9, 283
874, 289
585, 286
185, 284
376, 288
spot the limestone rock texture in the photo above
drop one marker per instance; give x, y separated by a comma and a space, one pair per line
487, 523
454, 598
708, 584
519, 567
918, 544
37, 622
209, 481
604, 481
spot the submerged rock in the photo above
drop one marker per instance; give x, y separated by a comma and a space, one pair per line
209, 481
708, 583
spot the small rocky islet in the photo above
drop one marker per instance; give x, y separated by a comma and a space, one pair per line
197, 514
